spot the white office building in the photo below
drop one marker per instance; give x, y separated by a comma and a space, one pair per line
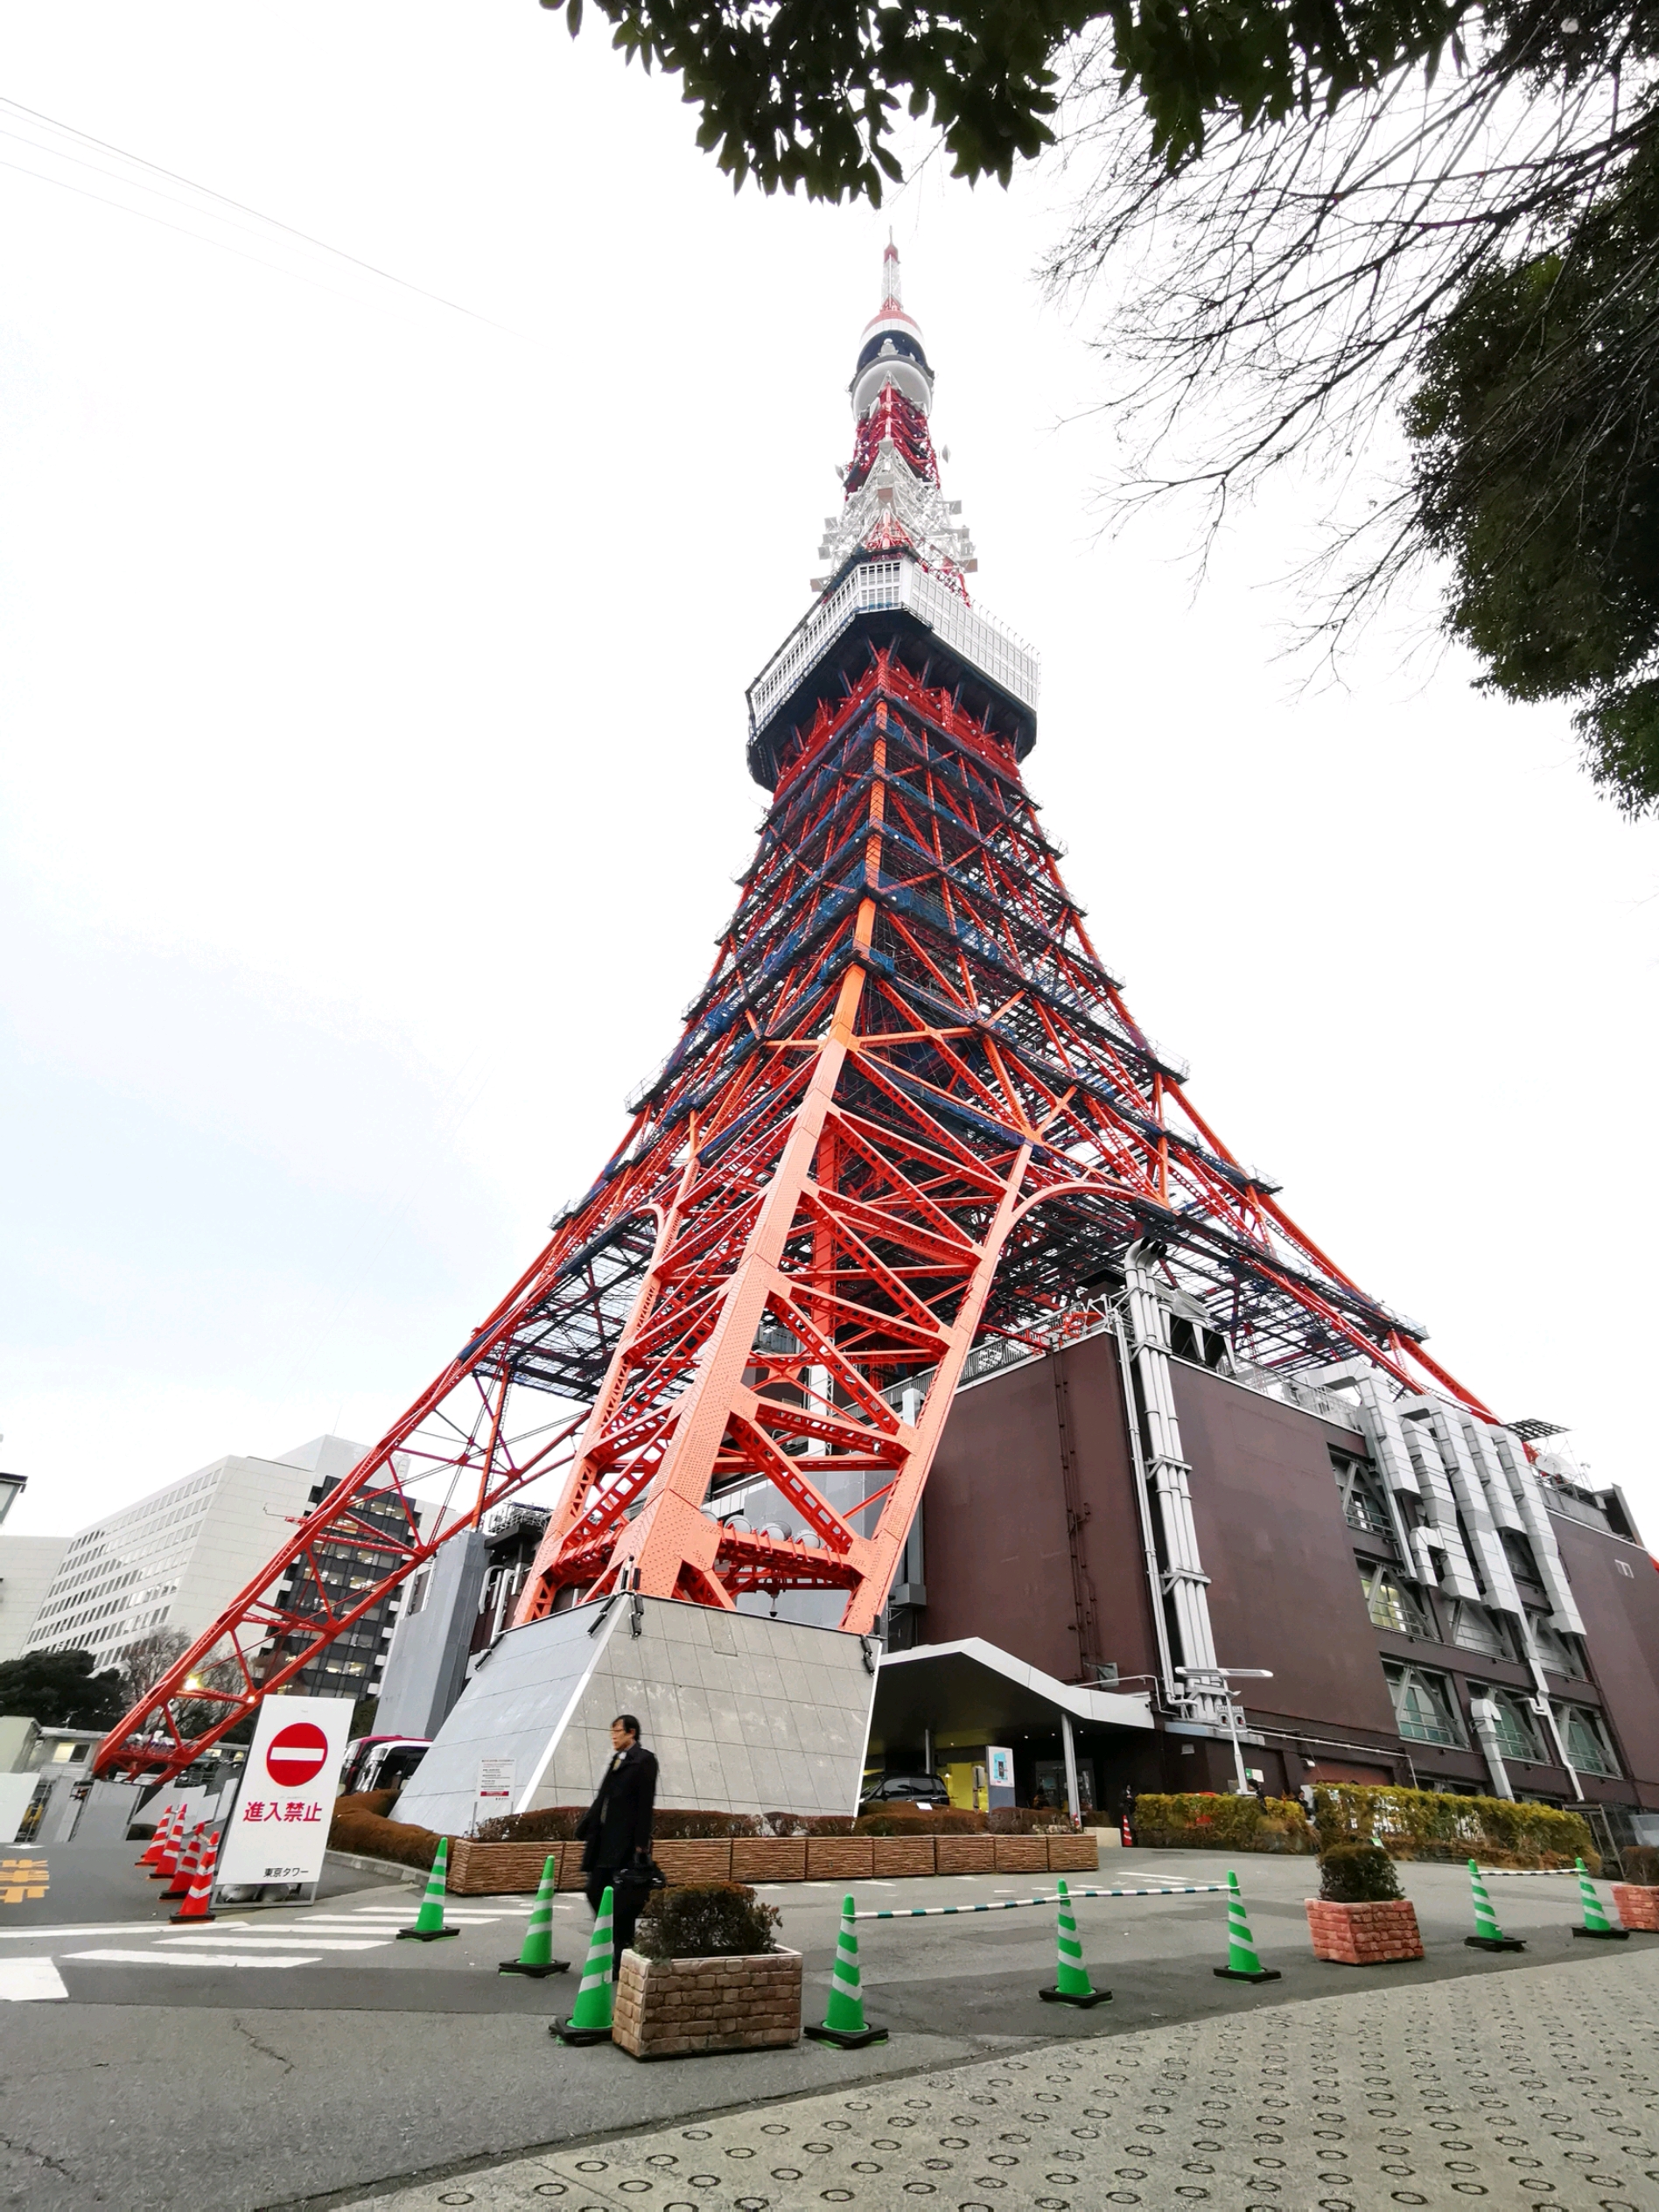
177, 1558
28, 1567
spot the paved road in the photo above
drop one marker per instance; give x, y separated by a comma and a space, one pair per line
285, 2056
1539, 2089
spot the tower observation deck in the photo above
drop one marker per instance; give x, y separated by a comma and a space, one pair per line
898, 558
910, 1119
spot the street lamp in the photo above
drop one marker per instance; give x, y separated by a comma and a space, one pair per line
1227, 1676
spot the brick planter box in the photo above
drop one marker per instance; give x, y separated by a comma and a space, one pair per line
839, 1858
1364, 1935
768, 1858
965, 1854
1637, 1905
672, 2007
1073, 1854
703, 1861
892, 1856
500, 1870
1021, 1854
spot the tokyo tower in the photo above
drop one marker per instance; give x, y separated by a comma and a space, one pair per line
910, 1112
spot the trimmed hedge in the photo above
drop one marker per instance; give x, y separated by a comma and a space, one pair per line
360, 1824
910, 1820
1358, 1874
706, 1920
1435, 1823
1198, 1820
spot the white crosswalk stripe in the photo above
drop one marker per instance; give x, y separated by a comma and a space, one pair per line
267, 1939
189, 1958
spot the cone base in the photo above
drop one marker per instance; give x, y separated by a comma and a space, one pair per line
1246, 1974
1495, 1943
425, 1935
845, 2038
579, 2036
197, 1918
1066, 1996
1605, 1934
517, 1966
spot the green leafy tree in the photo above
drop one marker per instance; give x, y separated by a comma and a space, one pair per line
1537, 476
59, 1689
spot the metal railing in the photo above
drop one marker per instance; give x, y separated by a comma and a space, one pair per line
877, 587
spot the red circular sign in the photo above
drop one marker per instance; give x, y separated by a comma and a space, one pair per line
295, 1755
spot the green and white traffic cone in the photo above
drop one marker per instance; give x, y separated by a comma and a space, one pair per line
429, 1922
1596, 1922
536, 1958
843, 2024
1487, 1935
1072, 1984
1242, 1965
590, 2021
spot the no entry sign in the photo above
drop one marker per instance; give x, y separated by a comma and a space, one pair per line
297, 1753
279, 1830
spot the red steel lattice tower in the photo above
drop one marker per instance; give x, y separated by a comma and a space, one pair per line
910, 1113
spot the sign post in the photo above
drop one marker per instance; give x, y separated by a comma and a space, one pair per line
495, 1791
999, 1775
278, 1831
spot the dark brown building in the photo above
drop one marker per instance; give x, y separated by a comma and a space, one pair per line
1433, 1609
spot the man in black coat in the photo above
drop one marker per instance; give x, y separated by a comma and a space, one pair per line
615, 1833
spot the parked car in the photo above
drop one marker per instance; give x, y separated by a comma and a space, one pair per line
926, 1790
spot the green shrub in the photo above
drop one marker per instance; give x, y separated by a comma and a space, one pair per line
696, 1828
1358, 1874
1642, 1864
1198, 1820
1435, 1823
808, 1824
360, 1824
552, 1824
911, 1820
706, 1920
1027, 1820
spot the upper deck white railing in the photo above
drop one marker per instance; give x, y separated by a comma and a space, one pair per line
875, 587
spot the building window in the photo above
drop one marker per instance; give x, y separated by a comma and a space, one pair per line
1423, 1710
1512, 1726
1392, 1605
1361, 1494
1476, 1630
1561, 1653
1585, 1740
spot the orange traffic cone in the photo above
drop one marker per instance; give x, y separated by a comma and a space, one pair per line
196, 1904
188, 1860
166, 1864
158, 1843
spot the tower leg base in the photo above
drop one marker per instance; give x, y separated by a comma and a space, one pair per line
1605, 1934
515, 1966
580, 2036
425, 1935
1243, 1974
1494, 1943
1083, 2004
845, 2038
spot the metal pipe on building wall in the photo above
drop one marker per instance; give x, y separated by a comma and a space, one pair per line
1143, 1500
1183, 1575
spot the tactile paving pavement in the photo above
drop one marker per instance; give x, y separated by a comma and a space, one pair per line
1534, 2090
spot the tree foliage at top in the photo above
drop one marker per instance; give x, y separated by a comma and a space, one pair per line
1537, 476
59, 1689
805, 93
1310, 216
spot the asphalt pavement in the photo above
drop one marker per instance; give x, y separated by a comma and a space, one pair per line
285, 2057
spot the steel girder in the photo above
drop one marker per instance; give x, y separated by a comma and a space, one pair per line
910, 1108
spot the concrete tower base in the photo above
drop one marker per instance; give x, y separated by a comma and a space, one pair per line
746, 1715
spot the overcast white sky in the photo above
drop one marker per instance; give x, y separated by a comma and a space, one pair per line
372, 696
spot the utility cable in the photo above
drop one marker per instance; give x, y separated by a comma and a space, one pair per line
206, 192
